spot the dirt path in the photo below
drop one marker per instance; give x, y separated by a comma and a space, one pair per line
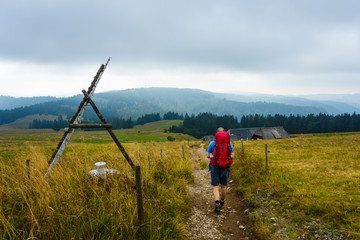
203, 223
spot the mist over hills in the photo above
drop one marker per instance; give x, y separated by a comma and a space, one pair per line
7, 102
134, 103
331, 103
351, 99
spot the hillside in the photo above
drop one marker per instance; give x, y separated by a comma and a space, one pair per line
133, 103
7, 102
23, 123
332, 104
351, 99
136, 102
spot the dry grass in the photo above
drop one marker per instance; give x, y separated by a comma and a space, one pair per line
310, 191
72, 206
312, 188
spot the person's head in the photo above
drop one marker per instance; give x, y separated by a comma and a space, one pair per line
220, 129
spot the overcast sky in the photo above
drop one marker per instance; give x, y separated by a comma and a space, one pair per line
55, 47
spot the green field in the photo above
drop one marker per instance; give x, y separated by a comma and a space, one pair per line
310, 191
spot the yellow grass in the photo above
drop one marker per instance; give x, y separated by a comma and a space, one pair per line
312, 187
71, 205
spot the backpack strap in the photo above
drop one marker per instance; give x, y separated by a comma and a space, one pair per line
229, 151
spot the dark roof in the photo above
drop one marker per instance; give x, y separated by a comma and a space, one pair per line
255, 133
242, 133
271, 133
209, 138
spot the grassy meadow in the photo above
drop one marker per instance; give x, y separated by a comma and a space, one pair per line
71, 205
311, 189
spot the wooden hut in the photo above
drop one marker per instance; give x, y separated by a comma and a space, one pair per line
258, 133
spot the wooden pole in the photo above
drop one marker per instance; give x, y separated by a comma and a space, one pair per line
121, 148
266, 158
139, 199
74, 120
107, 125
242, 148
183, 152
108, 128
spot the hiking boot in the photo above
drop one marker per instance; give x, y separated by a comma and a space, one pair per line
217, 208
222, 202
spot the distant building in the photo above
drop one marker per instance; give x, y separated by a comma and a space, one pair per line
209, 138
254, 133
242, 133
258, 133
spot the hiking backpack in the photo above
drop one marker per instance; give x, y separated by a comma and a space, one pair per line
222, 151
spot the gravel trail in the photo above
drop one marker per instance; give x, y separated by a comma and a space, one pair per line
203, 223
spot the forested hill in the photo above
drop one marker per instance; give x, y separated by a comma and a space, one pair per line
8, 103
136, 102
133, 103
332, 104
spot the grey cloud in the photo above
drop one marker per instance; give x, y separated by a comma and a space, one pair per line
261, 36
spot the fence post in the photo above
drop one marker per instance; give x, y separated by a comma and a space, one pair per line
140, 207
183, 152
266, 158
28, 172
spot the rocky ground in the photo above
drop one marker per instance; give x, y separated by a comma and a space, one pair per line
203, 223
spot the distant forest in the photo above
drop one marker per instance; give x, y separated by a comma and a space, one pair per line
320, 123
206, 123
117, 123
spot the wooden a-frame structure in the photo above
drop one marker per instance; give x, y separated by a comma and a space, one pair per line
73, 124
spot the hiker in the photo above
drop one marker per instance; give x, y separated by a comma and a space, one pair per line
221, 154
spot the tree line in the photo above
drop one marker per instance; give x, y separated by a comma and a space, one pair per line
117, 123
8, 116
320, 123
153, 117
56, 124
206, 123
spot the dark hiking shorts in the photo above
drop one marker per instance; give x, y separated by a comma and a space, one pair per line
219, 175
